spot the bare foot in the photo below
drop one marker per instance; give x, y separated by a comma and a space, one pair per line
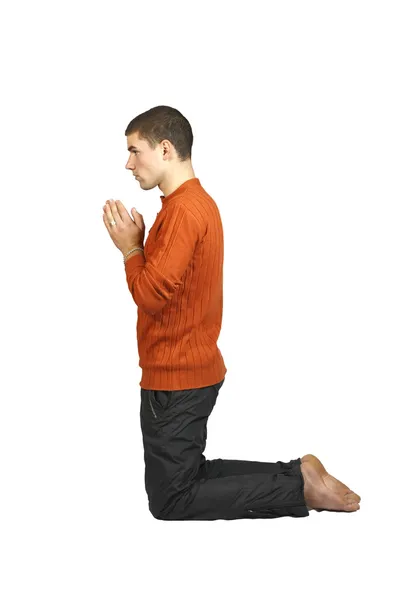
322, 491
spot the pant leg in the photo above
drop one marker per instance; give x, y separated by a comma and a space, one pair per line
222, 467
182, 485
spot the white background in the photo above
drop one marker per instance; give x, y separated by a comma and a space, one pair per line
295, 113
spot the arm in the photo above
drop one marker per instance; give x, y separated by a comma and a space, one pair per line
153, 281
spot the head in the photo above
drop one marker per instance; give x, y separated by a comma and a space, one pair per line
159, 143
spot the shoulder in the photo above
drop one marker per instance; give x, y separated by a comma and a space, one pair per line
185, 208
197, 203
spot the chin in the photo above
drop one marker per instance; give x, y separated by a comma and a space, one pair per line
148, 186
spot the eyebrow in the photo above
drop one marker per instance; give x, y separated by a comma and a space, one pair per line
133, 148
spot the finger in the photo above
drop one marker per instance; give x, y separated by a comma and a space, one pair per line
106, 221
114, 212
108, 212
107, 218
123, 213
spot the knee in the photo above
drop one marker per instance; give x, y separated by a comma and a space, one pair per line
156, 513
166, 502
158, 508
167, 507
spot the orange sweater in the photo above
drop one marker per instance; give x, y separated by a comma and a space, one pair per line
178, 287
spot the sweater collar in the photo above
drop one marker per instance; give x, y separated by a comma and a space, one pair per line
189, 184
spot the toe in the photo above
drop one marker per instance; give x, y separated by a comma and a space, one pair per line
352, 496
351, 502
352, 506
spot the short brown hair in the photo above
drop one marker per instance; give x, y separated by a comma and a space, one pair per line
164, 123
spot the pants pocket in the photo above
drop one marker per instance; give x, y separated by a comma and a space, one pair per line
151, 403
152, 408
160, 401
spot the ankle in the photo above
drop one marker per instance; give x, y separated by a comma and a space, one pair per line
306, 488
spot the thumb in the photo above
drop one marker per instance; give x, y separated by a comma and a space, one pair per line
137, 217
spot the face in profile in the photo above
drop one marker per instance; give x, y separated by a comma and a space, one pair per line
146, 163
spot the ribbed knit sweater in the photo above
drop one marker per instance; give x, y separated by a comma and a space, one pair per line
177, 284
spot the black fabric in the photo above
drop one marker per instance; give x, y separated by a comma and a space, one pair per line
182, 485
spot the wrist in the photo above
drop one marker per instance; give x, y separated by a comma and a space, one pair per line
127, 248
132, 252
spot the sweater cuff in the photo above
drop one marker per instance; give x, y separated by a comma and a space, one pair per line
137, 260
133, 266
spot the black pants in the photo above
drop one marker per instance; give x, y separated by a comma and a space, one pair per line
182, 485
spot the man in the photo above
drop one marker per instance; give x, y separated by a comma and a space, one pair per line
176, 281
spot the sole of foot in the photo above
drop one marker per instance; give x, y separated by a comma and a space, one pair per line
322, 491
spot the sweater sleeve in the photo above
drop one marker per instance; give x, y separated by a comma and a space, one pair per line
153, 281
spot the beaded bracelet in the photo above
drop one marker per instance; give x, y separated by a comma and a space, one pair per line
133, 250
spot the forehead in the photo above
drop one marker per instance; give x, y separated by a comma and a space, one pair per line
133, 140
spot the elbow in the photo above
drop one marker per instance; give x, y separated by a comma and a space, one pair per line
152, 300
151, 306
151, 310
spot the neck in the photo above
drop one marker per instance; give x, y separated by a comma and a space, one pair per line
172, 181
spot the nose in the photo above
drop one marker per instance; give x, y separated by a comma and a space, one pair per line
130, 167
129, 164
